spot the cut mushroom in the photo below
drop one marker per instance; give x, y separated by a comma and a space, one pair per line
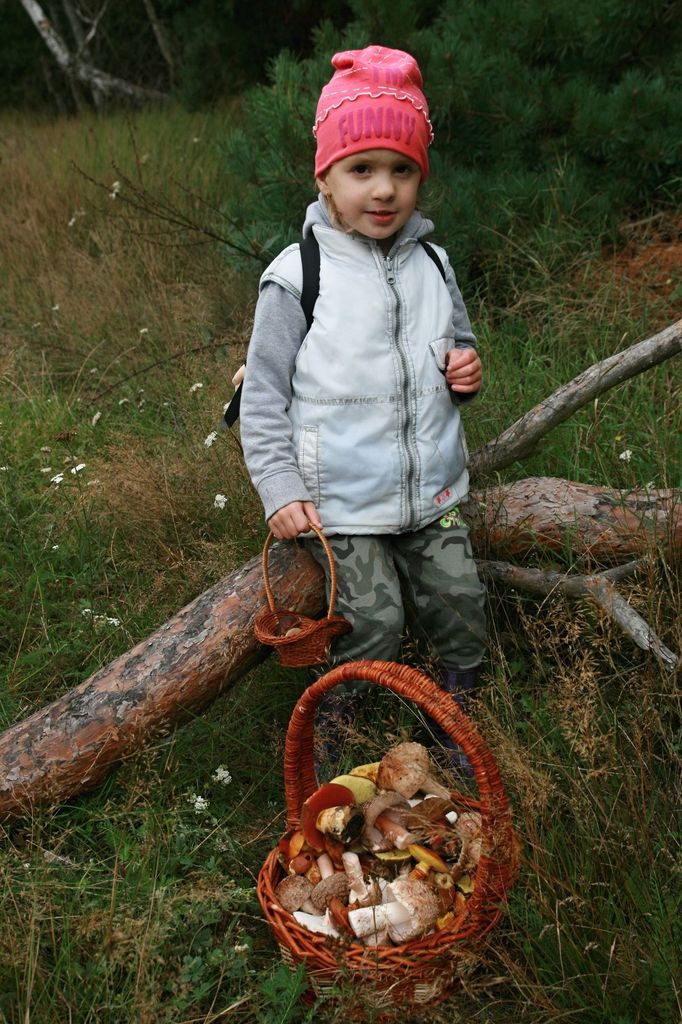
373, 920
405, 768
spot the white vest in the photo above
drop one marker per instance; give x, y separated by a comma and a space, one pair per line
378, 437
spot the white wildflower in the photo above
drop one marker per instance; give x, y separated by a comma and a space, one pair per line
196, 387
199, 803
123, 401
76, 214
144, 330
212, 437
56, 858
220, 501
72, 221
625, 456
222, 775
55, 547
3, 469
96, 418
57, 479
95, 369
55, 308
241, 947
78, 468
196, 138
115, 189
86, 611
46, 469
46, 449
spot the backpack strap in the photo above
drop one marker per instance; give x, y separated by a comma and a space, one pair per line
310, 262
433, 255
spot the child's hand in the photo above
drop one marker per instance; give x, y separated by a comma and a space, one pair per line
292, 519
463, 370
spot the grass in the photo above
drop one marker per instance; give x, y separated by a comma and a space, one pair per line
137, 903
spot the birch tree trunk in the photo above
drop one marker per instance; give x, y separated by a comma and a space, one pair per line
76, 68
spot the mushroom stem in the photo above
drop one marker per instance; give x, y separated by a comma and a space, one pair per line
324, 863
374, 920
395, 832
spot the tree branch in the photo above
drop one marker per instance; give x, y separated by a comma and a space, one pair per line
520, 439
598, 588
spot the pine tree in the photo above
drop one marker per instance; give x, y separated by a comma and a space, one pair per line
552, 122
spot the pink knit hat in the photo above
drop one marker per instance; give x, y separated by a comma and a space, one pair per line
374, 100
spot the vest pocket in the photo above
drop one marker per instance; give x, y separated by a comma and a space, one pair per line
440, 348
309, 461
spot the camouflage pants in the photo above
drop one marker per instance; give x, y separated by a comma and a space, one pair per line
432, 570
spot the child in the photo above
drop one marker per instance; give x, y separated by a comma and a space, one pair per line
354, 424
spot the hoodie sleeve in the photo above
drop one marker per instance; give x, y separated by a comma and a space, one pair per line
278, 330
464, 335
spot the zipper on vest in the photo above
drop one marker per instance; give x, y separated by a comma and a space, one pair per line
410, 448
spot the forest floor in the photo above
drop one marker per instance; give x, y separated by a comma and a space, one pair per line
136, 904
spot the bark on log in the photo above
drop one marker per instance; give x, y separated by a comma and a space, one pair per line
70, 746
547, 513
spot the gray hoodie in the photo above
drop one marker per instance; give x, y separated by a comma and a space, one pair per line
272, 452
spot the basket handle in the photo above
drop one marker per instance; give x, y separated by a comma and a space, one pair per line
299, 773
332, 570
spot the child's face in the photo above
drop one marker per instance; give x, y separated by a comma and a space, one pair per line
374, 192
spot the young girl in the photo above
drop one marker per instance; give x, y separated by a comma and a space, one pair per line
354, 424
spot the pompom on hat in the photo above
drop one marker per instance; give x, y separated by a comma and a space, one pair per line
374, 100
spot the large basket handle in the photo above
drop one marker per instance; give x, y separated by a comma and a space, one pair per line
493, 872
332, 570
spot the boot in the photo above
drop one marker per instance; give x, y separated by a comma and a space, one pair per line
461, 684
333, 718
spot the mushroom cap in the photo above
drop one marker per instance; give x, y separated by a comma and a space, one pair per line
417, 897
380, 803
293, 891
403, 768
334, 885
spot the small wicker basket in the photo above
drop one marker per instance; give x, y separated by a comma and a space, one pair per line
426, 970
298, 640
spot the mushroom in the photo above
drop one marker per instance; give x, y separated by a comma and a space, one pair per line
324, 891
421, 906
383, 813
344, 822
294, 893
360, 894
469, 830
405, 768
315, 923
325, 865
366, 921
329, 795
410, 912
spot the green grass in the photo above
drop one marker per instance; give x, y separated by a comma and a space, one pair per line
132, 905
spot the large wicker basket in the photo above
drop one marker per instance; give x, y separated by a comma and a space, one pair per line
426, 970
298, 640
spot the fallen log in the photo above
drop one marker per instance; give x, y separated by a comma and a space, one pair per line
71, 745
550, 514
